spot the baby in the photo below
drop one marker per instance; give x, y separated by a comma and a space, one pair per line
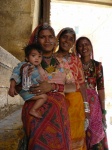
33, 56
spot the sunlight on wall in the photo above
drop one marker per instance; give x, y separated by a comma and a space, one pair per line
93, 21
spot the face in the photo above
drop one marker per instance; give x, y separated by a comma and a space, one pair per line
35, 57
66, 42
47, 40
84, 48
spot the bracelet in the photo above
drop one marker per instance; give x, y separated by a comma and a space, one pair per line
86, 107
57, 87
104, 112
60, 88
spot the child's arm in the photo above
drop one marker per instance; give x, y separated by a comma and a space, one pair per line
12, 91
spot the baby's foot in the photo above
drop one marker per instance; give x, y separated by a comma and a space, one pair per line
35, 113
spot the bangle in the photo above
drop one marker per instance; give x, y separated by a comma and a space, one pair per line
57, 87
86, 107
104, 112
60, 88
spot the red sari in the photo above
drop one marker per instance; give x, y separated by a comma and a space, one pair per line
52, 131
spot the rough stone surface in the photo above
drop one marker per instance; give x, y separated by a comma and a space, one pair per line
15, 25
11, 131
7, 104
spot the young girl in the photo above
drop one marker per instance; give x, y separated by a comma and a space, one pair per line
33, 55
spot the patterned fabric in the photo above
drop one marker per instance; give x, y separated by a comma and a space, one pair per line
95, 131
96, 136
76, 67
94, 76
52, 131
75, 106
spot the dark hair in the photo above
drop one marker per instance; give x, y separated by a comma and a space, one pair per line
67, 30
82, 38
37, 30
30, 47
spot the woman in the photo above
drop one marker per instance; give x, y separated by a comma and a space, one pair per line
66, 39
93, 70
52, 130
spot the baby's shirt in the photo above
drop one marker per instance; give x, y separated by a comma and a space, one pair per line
35, 76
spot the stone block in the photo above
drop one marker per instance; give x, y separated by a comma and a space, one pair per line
3, 97
11, 131
15, 100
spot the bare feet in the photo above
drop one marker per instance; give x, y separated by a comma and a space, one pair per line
35, 113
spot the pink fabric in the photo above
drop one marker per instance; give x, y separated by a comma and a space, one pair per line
95, 122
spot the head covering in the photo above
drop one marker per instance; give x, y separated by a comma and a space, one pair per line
82, 38
66, 30
35, 33
62, 32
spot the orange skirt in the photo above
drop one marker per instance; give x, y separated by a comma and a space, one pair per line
77, 118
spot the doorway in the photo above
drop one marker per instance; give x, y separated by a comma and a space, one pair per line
95, 22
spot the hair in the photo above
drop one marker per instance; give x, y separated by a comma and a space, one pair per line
66, 30
38, 29
30, 47
77, 43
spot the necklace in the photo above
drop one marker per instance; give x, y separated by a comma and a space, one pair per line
88, 69
87, 65
51, 65
44, 57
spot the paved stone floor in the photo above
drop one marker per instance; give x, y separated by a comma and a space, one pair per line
11, 129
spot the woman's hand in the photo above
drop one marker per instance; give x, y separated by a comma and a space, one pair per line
41, 88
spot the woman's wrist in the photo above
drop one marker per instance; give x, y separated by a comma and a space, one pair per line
104, 112
57, 87
86, 107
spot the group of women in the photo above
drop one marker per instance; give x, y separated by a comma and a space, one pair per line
70, 104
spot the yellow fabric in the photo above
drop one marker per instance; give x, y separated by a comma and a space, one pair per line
77, 117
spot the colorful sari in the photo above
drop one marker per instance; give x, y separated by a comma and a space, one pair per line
75, 104
77, 118
96, 135
52, 131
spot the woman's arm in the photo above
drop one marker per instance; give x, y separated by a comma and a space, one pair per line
69, 88
44, 87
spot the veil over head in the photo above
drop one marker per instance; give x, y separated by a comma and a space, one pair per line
66, 30
77, 43
35, 33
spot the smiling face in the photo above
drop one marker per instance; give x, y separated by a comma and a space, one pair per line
84, 47
34, 57
47, 40
66, 41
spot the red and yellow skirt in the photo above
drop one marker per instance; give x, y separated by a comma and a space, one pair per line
52, 132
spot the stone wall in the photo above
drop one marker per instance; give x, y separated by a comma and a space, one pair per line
7, 103
16, 22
